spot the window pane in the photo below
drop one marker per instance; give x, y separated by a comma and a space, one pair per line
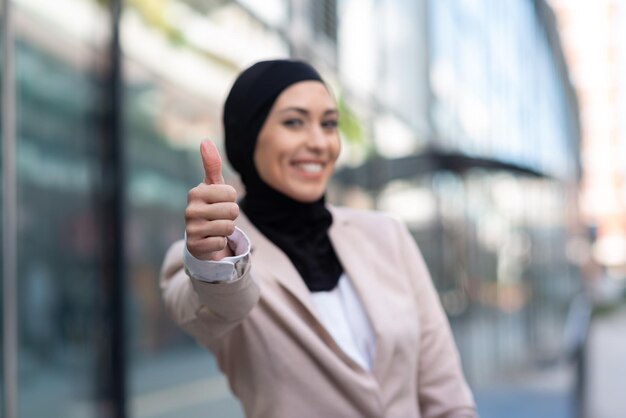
59, 47
169, 109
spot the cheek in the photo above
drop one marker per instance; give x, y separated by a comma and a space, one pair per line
335, 149
263, 162
271, 164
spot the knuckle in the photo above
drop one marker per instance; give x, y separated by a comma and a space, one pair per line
230, 228
220, 228
215, 243
230, 193
203, 246
192, 231
233, 211
192, 212
192, 246
192, 194
212, 194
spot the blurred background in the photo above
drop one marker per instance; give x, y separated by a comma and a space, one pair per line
495, 129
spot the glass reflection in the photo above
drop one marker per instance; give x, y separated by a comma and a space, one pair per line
168, 110
59, 97
495, 245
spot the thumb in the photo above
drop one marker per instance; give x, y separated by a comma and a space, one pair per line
212, 163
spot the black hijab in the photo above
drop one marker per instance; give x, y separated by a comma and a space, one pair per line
299, 229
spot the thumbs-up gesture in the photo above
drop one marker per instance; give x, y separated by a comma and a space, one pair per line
211, 210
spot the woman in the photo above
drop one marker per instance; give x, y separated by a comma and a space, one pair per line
310, 310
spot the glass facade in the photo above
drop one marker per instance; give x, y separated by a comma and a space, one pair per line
476, 150
495, 243
61, 66
59, 98
168, 110
497, 90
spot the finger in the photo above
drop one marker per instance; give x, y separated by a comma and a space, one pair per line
212, 193
213, 212
212, 163
207, 229
203, 248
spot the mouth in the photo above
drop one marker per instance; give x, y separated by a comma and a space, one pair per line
309, 168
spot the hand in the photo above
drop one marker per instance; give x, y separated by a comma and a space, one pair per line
211, 210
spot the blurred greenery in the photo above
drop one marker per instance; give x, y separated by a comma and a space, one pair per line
349, 124
154, 12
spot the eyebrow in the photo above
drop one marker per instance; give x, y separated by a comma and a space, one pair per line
305, 112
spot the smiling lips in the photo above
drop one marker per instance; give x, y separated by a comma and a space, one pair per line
308, 168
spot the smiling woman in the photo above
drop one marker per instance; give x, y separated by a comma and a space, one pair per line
311, 310
299, 142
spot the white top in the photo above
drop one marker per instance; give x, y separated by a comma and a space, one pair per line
340, 310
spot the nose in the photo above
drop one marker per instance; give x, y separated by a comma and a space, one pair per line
318, 139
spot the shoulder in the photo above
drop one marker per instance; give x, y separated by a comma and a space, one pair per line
364, 217
380, 239
369, 222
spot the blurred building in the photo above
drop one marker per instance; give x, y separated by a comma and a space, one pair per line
178, 60
458, 117
472, 138
591, 35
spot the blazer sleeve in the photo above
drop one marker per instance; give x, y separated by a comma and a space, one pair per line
442, 391
207, 311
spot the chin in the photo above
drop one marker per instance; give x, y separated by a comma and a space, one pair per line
306, 196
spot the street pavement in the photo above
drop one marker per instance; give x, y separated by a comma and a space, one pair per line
536, 394
549, 393
187, 383
606, 354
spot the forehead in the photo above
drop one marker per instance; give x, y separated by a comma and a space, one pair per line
305, 94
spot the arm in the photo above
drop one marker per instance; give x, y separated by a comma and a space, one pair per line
219, 294
442, 391
207, 311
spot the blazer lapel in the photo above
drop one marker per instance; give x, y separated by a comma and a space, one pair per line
275, 263
345, 240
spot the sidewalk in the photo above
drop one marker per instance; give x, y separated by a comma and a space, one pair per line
194, 387
539, 394
606, 366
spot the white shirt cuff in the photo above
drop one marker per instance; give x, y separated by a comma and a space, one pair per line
228, 269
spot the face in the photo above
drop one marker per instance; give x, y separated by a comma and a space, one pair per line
299, 142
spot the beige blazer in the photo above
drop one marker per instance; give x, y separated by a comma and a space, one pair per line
280, 360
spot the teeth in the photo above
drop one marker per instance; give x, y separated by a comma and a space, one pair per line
310, 167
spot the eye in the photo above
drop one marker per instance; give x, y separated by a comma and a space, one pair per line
330, 124
293, 123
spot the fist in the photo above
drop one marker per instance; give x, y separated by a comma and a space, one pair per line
211, 210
